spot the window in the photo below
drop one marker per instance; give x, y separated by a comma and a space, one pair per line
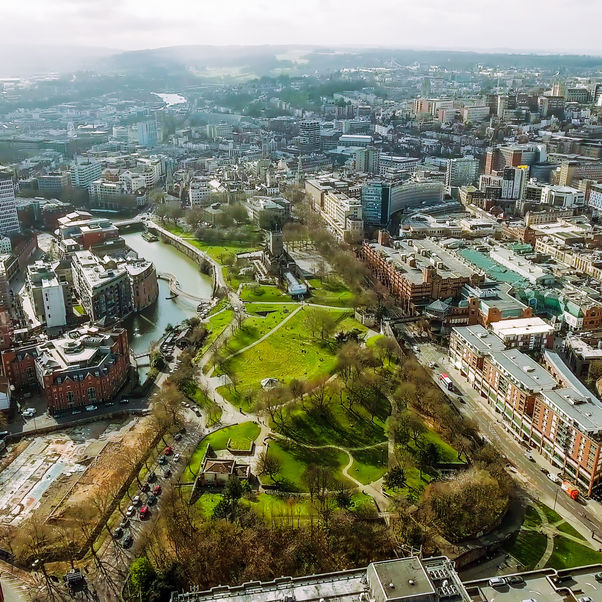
91, 393
69, 396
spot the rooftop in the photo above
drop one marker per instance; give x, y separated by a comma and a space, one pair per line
479, 338
524, 371
521, 326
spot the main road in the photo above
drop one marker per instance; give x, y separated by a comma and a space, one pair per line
529, 473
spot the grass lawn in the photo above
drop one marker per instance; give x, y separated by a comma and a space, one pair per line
263, 293
369, 464
532, 518
216, 325
551, 515
218, 440
305, 357
212, 410
79, 309
207, 502
527, 547
567, 554
331, 292
570, 530
337, 425
295, 460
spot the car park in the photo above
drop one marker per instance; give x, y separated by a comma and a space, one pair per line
118, 533
127, 541
130, 511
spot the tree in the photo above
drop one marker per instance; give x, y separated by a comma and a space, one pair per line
233, 488
142, 574
395, 478
321, 323
268, 465
428, 458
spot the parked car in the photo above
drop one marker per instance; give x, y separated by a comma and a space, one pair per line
514, 580
529, 456
167, 472
177, 436
497, 582
168, 451
554, 478
124, 401
162, 460
151, 499
124, 523
461, 399
127, 541
136, 500
144, 512
130, 511
118, 533
152, 477
157, 490
584, 599
91, 408
598, 577
176, 458
145, 487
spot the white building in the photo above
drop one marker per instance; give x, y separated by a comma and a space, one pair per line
54, 303
595, 198
9, 221
199, 191
84, 172
562, 196
5, 245
150, 169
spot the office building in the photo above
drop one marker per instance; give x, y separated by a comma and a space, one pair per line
49, 296
366, 160
418, 272
565, 197
461, 172
574, 170
513, 156
147, 133
219, 130
199, 191
355, 140
309, 136
9, 221
84, 172
54, 184
514, 182
86, 366
104, 288
81, 228
143, 282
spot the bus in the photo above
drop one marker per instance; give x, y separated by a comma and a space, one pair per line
447, 382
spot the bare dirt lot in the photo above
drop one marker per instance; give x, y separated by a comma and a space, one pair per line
46, 474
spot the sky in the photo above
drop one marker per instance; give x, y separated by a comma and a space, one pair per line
534, 25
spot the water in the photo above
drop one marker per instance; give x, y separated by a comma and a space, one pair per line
148, 326
171, 99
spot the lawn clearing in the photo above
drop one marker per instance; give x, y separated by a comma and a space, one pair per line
564, 527
262, 293
295, 460
306, 357
331, 292
369, 465
568, 553
527, 547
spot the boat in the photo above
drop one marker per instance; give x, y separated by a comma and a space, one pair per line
150, 237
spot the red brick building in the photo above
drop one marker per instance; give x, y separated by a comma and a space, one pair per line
85, 367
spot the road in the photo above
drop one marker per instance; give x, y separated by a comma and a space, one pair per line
528, 473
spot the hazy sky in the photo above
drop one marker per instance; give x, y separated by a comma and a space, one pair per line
546, 25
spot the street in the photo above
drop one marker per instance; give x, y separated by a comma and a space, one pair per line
527, 472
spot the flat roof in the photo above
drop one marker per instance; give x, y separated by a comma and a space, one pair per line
524, 370
521, 326
402, 578
480, 339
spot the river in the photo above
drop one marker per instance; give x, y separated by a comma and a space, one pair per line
148, 326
